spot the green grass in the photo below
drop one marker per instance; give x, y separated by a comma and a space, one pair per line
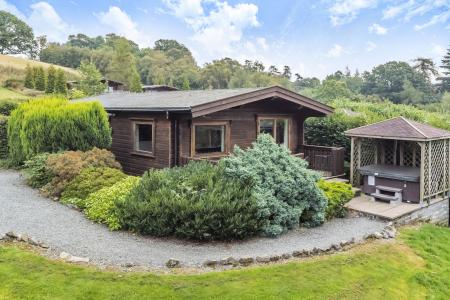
415, 267
9, 94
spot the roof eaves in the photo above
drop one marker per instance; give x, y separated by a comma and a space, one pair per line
414, 127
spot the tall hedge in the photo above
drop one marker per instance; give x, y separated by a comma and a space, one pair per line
54, 124
3, 136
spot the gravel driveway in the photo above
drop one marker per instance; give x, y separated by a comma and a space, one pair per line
23, 210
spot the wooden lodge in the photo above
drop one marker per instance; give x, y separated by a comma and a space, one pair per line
169, 128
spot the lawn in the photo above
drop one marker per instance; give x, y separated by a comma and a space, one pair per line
9, 94
417, 266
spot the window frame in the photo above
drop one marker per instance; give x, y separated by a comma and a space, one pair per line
226, 125
275, 118
135, 122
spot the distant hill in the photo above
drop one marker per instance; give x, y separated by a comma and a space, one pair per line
14, 68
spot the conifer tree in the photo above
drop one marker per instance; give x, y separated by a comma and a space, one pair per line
186, 85
29, 78
135, 83
123, 66
61, 82
39, 79
445, 80
51, 80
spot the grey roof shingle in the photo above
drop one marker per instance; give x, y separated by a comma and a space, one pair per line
165, 100
399, 128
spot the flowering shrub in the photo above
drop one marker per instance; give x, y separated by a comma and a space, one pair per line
286, 191
100, 206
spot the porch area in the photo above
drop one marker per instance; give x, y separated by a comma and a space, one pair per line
329, 161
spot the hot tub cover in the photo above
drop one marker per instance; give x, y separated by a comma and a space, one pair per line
392, 172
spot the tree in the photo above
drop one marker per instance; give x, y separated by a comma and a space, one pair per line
39, 78
41, 44
135, 83
287, 72
425, 66
186, 85
273, 70
16, 37
90, 79
51, 80
123, 65
61, 82
29, 77
332, 89
445, 80
64, 55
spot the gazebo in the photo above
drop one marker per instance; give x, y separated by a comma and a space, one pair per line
400, 160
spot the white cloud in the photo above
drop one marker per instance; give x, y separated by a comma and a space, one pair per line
370, 46
377, 29
46, 21
122, 24
344, 11
438, 50
394, 11
185, 8
11, 9
439, 18
335, 51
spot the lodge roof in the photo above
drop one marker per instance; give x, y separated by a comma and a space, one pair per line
399, 128
201, 102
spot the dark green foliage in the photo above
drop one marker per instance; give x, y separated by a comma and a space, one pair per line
123, 66
39, 78
444, 81
13, 83
285, 189
3, 137
60, 82
7, 106
89, 181
16, 37
55, 124
51, 80
337, 193
36, 171
64, 55
195, 202
90, 79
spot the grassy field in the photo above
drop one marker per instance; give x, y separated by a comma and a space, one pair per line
14, 68
417, 266
9, 94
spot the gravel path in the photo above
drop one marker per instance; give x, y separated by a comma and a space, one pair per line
23, 210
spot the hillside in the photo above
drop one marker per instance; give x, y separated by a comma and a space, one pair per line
14, 68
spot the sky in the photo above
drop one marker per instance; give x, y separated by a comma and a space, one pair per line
315, 38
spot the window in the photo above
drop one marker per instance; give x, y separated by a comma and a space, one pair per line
143, 137
278, 128
209, 138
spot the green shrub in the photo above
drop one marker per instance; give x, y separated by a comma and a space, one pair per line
7, 106
337, 193
13, 83
55, 124
3, 137
101, 205
196, 202
67, 165
89, 181
285, 189
36, 171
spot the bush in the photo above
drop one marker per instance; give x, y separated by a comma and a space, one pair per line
36, 172
55, 124
13, 83
7, 106
196, 202
3, 137
285, 189
89, 181
67, 165
337, 193
101, 205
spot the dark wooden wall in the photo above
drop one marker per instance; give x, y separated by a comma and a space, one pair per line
122, 142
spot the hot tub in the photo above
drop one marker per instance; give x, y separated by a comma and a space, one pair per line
405, 178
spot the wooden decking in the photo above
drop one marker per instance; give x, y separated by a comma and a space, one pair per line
389, 211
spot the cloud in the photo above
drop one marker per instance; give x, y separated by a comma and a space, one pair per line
335, 51
46, 21
344, 11
439, 18
377, 29
370, 46
438, 50
11, 9
121, 23
394, 11
185, 8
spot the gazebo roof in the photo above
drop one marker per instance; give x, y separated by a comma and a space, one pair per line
399, 128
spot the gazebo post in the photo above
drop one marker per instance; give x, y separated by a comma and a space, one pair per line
352, 154
422, 171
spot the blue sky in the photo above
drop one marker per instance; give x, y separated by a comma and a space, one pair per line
314, 37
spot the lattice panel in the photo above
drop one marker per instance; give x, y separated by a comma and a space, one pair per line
389, 152
355, 180
426, 173
439, 166
411, 154
368, 150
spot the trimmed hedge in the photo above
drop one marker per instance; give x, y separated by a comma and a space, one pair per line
89, 181
196, 201
286, 191
337, 193
3, 136
55, 124
101, 205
